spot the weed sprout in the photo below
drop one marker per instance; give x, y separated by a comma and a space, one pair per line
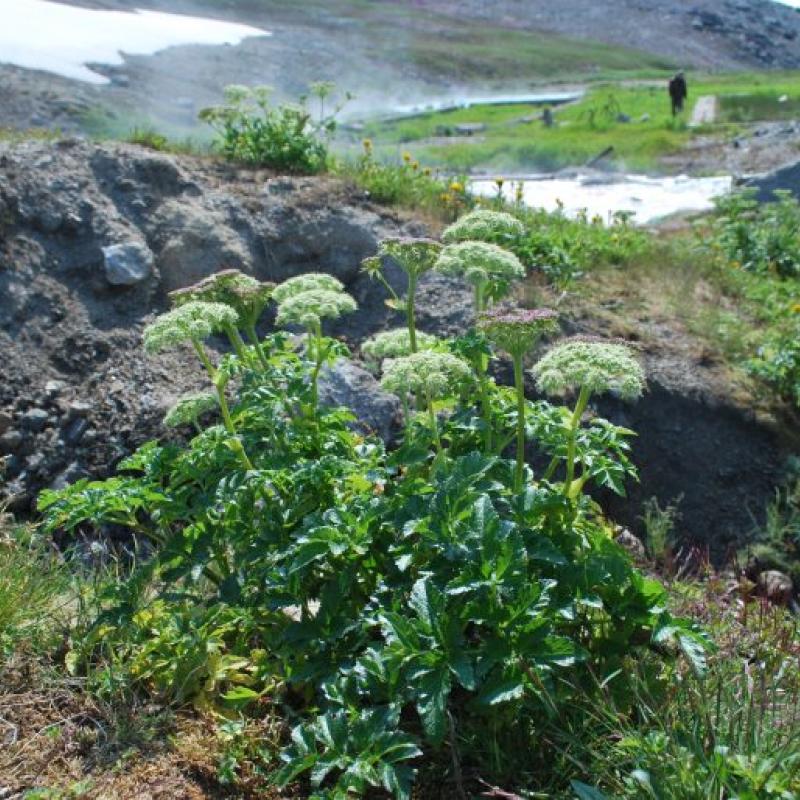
516, 332
588, 367
429, 376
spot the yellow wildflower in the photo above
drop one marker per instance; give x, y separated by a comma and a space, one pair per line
407, 157
426, 171
796, 308
455, 186
367, 144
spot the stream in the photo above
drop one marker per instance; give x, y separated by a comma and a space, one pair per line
647, 199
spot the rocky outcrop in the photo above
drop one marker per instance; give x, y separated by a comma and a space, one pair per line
785, 178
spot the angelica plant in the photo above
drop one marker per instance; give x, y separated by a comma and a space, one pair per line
589, 367
246, 295
429, 375
308, 308
488, 268
193, 322
415, 257
516, 332
395, 343
484, 226
305, 283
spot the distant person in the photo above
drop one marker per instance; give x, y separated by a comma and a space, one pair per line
678, 92
547, 118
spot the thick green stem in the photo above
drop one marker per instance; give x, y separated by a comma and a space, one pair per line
410, 312
319, 357
480, 301
236, 340
225, 412
433, 423
575, 421
519, 383
252, 335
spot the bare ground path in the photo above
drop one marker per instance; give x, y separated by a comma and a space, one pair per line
705, 111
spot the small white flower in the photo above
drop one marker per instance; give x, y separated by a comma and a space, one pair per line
480, 263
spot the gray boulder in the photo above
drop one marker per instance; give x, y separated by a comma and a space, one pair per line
786, 177
346, 384
333, 240
193, 241
127, 264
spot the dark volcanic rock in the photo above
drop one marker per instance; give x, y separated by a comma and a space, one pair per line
783, 179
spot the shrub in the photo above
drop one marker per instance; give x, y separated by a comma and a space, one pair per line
436, 599
286, 137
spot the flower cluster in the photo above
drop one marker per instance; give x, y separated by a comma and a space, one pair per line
597, 366
414, 256
230, 286
310, 307
485, 226
310, 281
516, 331
480, 263
429, 373
394, 343
190, 408
193, 321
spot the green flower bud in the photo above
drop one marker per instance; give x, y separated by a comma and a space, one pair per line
310, 281
484, 226
394, 343
193, 321
596, 365
309, 308
428, 373
190, 408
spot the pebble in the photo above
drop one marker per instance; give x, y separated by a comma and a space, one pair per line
10, 441
35, 419
5, 421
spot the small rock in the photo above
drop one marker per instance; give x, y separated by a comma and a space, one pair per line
78, 409
127, 264
35, 419
70, 474
776, 587
54, 388
75, 430
5, 421
633, 544
10, 441
645, 117
621, 117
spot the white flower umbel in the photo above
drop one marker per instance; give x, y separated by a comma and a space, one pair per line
246, 295
588, 367
192, 322
395, 343
308, 309
310, 281
596, 366
484, 226
189, 408
488, 267
429, 375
